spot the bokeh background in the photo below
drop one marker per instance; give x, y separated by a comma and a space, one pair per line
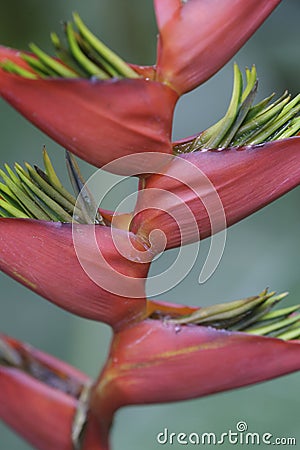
261, 251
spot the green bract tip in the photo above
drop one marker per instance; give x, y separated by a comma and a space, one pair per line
248, 124
251, 315
37, 194
82, 56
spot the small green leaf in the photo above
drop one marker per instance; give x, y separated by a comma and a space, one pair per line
7, 193
251, 76
225, 312
115, 61
49, 202
259, 107
94, 56
269, 129
40, 68
12, 67
260, 122
64, 55
60, 69
258, 313
292, 333
243, 111
248, 124
289, 130
84, 56
91, 68
251, 315
232, 111
86, 201
53, 178
35, 211
49, 190
36, 194
271, 328
12, 210
284, 312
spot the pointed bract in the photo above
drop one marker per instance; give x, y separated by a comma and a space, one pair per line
37, 407
98, 120
203, 192
80, 270
197, 37
155, 362
34, 410
40, 397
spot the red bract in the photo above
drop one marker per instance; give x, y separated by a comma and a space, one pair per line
159, 351
46, 410
40, 406
200, 193
135, 115
197, 37
98, 120
155, 362
43, 257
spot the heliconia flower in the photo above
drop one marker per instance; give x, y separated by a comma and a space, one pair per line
246, 160
79, 269
88, 117
156, 361
39, 397
200, 193
197, 37
122, 107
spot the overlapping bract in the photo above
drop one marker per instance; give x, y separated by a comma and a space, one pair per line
197, 37
155, 362
42, 256
88, 117
135, 115
152, 359
39, 394
217, 187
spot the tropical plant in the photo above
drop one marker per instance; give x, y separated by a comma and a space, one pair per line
95, 263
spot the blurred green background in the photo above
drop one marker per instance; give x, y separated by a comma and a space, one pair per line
261, 251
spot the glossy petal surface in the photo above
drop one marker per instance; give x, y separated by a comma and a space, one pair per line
97, 120
197, 37
155, 362
35, 406
81, 272
201, 193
